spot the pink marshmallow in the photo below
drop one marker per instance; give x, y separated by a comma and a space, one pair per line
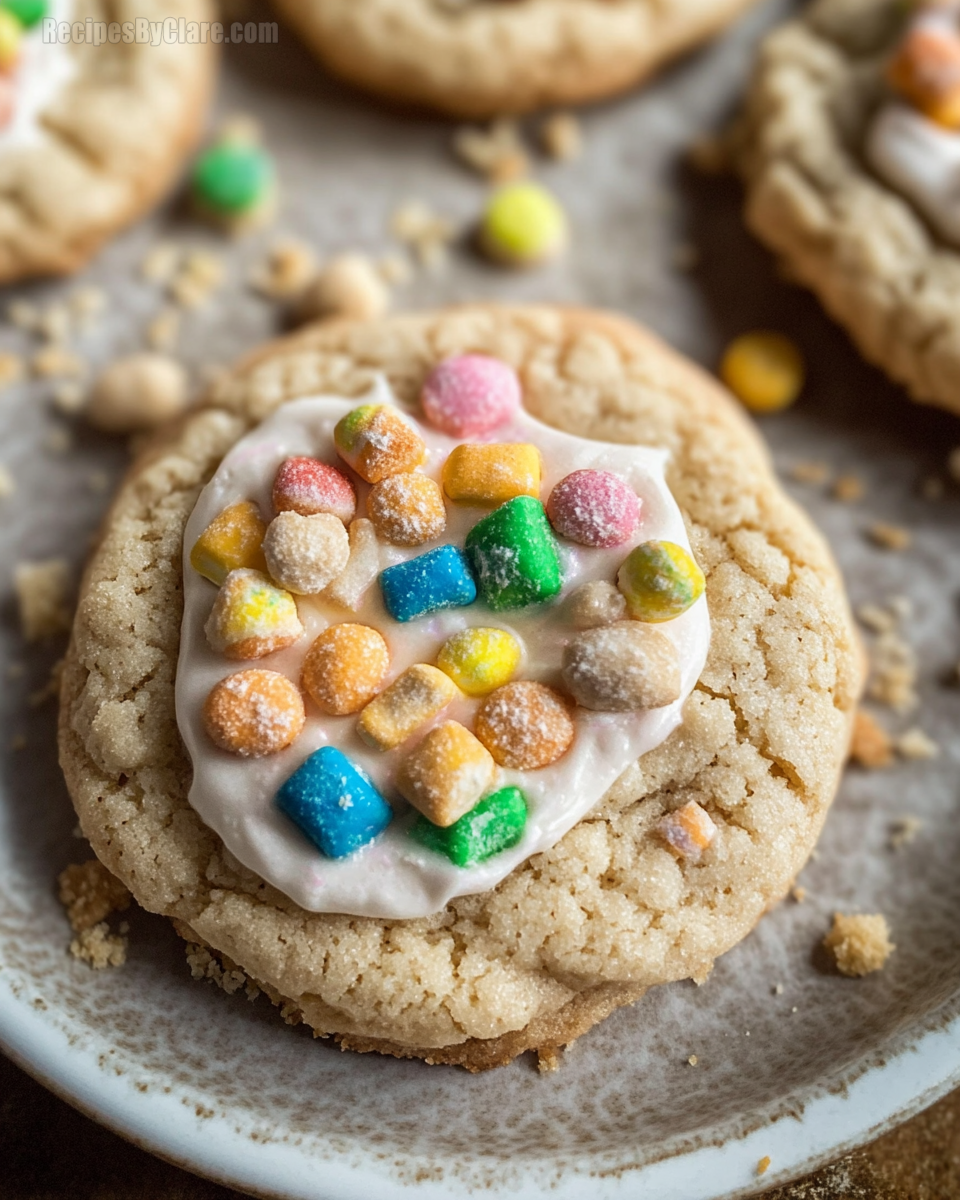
308, 487
469, 395
594, 508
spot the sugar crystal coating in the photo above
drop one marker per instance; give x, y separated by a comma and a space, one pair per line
480, 659
231, 541
492, 474
594, 508
470, 394
345, 668
660, 581
305, 554
363, 566
436, 580
523, 224
414, 698
596, 603
622, 667
688, 830
514, 556
251, 617
926, 71
407, 509
496, 824
308, 486
333, 803
254, 713
525, 726
376, 441
446, 774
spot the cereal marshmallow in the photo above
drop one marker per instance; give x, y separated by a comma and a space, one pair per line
305, 554
469, 395
254, 713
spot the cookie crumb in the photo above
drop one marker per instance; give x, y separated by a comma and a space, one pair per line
849, 488
916, 745
394, 269
890, 537
548, 1059
859, 943
289, 267
85, 305
764, 1164
814, 473
427, 234
161, 262
164, 330
893, 676
877, 619
348, 286
200, 275
56, 361
42, 589
693, 1060
496, 153
7, 484
561, 136
69, 398
12, 369
904, 831
99, 947
871, 746
799, 894
90, 894
778, 989
223, 971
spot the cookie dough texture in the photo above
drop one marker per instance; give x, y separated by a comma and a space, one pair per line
609, 911
863, 249
116, 137
476, 58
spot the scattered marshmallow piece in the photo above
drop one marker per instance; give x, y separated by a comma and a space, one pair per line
137, 393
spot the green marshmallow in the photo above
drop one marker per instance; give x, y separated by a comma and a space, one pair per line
496, 824
27, 12
514, 555
233, 177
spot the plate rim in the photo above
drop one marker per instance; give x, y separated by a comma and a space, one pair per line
839, 1120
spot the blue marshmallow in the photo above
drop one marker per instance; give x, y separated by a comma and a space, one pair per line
440, 578
334, 803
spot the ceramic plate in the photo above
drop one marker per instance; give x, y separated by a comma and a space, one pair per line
797, 1072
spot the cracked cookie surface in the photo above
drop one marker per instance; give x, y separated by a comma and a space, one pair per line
114, 138
608, 911
866, 252
477, 58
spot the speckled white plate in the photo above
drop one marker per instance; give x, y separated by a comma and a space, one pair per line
220, 1085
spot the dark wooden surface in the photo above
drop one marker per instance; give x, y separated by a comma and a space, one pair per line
50, 1152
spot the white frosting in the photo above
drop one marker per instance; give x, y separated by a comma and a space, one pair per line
922, 161
44, 69
395, 877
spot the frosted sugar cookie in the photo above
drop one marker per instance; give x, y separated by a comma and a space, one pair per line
482, 738
850, 148
476, 58
93, 132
